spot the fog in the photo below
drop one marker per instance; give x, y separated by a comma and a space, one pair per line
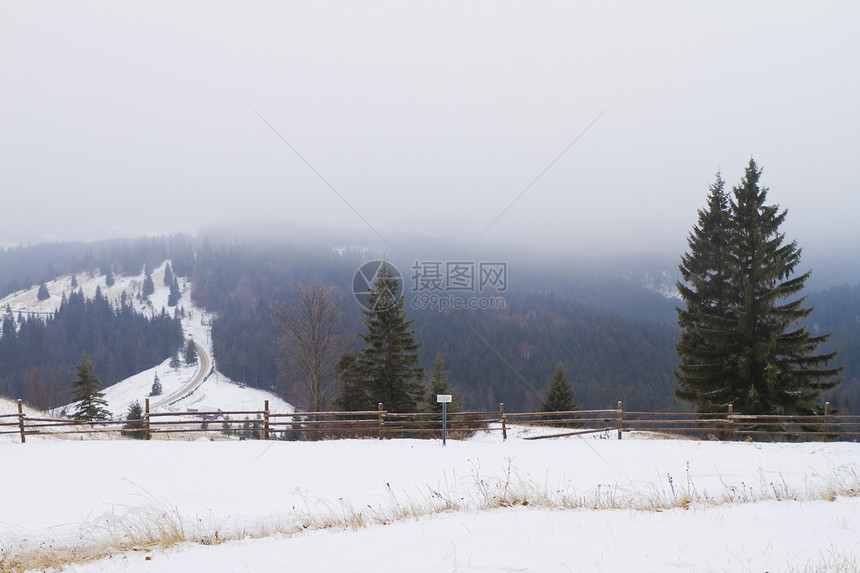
583, 127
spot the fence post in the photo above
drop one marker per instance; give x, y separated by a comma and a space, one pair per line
619, 420
381, 420
504, 426
266, 420
731, 423
21, 421
146, 421
826, 421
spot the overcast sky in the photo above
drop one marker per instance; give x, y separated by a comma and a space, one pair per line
121, 118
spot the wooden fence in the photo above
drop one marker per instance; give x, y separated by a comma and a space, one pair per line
381, 424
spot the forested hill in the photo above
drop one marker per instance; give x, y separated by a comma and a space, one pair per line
38, 354
493, 356
615, 337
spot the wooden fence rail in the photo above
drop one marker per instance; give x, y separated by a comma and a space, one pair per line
380, 424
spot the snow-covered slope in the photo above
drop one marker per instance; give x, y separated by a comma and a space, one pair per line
8, 406
217, 392
182, 386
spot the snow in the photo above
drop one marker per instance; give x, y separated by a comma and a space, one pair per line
638, 485
8, 406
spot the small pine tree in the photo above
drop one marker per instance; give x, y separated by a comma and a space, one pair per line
43, 293
156, 387
439, 384
168, 275
175, 293
190, 352
559, 394
109, 279
86, 391
174, 361
133, 427
74, 281
148, 286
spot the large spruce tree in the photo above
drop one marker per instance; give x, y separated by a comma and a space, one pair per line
741, 342
388, 365
706, 290
87, 392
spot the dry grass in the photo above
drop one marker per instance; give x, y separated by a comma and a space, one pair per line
159, 525
831, 561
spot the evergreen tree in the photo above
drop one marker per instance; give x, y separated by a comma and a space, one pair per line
148, 286
388, 365
43, 293
168, 275
133, 427
156, 387
174, 360
353, 395
175, 294
74, 281
439, 384
559, 393
86, 391
706, 289
746, 348
109, 279
190, 352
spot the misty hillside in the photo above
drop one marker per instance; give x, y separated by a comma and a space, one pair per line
608, 321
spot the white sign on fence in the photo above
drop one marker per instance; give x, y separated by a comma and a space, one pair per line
443, 398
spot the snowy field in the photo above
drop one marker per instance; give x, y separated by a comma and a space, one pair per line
572, 504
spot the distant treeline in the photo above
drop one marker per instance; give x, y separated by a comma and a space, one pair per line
23, 267
38, 356
837, 310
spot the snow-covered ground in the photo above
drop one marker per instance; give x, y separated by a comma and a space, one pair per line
366, 505
217, 392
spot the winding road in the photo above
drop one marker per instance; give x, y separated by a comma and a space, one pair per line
204, 364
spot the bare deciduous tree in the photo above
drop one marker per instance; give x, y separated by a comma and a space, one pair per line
43, 391
312, 340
